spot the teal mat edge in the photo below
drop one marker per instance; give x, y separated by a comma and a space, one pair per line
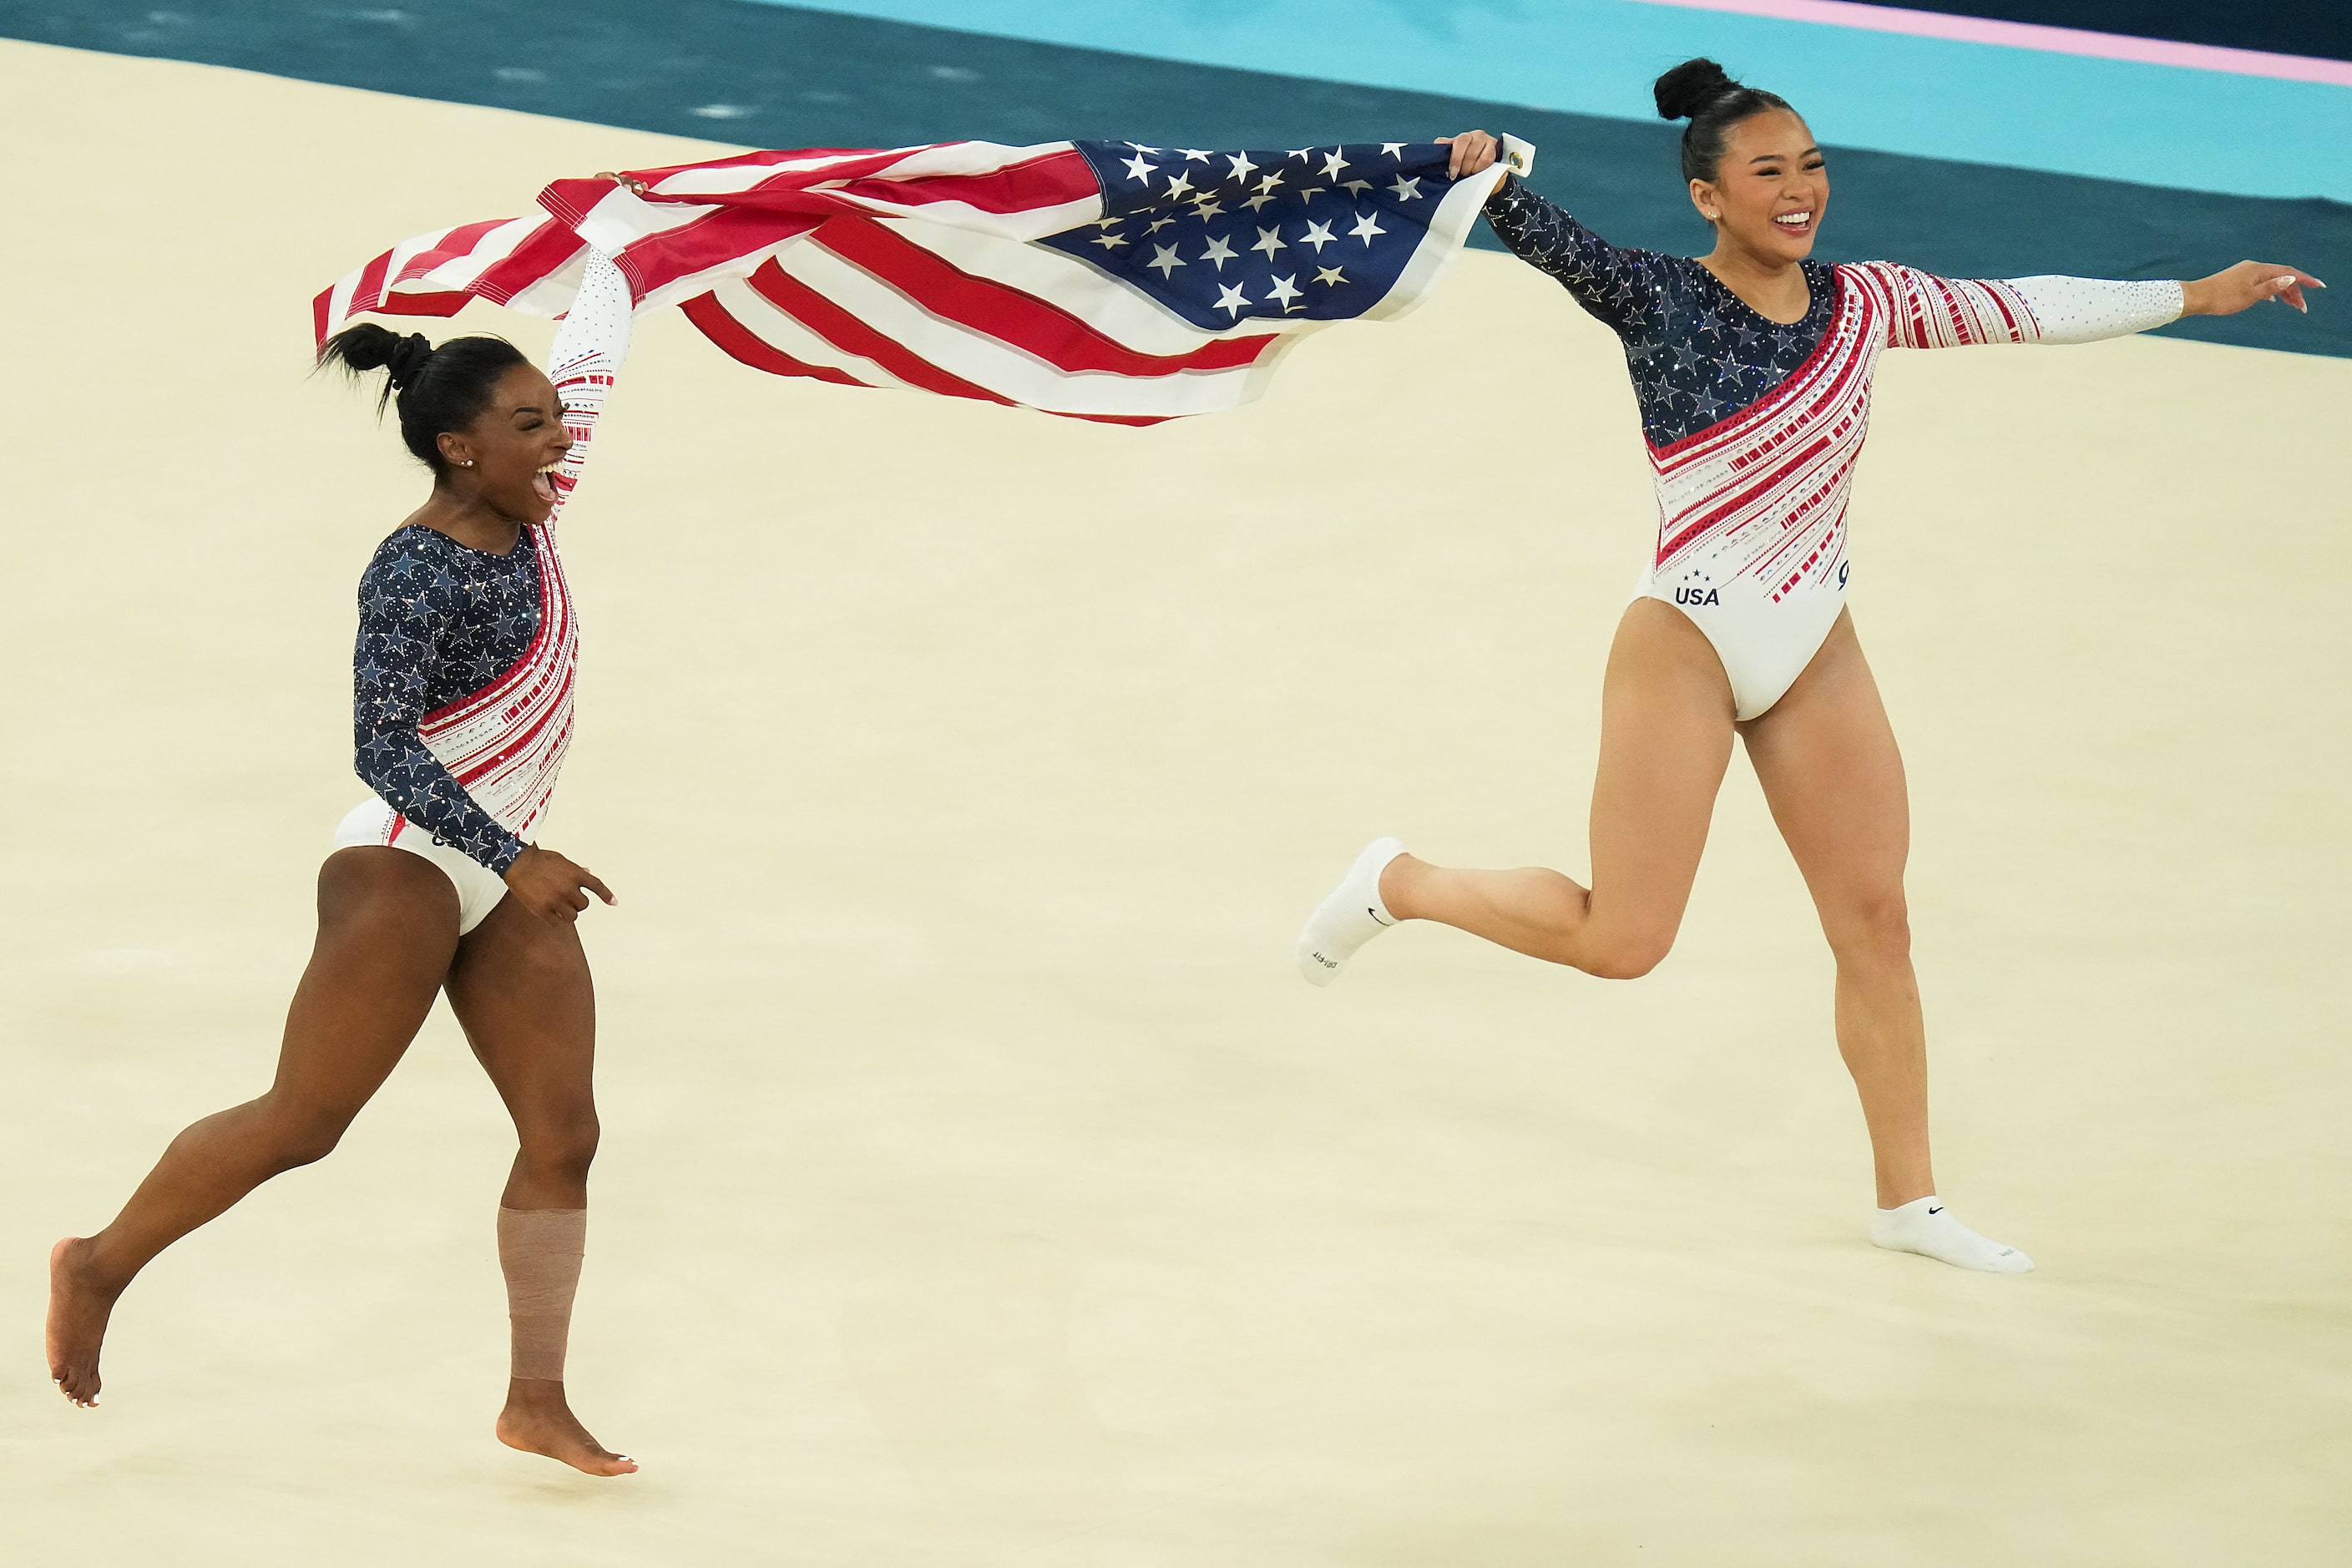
777, 76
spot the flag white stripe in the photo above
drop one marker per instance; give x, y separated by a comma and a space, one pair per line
622, 219
965, 158
406, 251
338, 303
553, 294
489, 250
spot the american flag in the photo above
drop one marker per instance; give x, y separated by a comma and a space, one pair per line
1107, 281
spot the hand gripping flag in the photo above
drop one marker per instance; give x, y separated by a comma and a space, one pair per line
1099, 280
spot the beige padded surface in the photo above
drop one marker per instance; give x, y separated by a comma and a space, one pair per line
980, 1184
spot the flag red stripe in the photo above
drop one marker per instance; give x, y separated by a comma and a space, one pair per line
544, 253
851, 335
740, 342
1020, 319
447, 303
716, 239
371, 284
718, 324
1048, 180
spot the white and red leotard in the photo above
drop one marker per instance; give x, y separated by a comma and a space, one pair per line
1753, 426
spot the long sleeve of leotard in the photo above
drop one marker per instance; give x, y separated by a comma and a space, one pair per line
589, 345
407, 601
1619, 287
1925, 312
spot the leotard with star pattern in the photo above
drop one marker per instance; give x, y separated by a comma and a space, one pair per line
1753, 426
438, 622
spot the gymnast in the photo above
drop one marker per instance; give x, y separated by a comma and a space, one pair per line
1752, 368
463, 678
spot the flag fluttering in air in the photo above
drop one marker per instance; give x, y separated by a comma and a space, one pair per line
1104, 281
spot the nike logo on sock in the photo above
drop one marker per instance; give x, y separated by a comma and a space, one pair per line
1935, 1208
1376, 915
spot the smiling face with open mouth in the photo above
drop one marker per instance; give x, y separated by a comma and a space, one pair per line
1770, 189
508, 454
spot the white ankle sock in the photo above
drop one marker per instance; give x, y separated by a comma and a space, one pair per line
1351, 915
1923, 1226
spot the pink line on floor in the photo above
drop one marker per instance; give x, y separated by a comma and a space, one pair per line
2032, 35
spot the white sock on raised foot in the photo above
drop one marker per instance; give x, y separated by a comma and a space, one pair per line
1922, 1226
1351, 915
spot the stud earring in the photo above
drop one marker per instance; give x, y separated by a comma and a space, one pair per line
467, 464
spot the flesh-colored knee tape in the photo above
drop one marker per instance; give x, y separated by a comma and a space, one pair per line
540, 1249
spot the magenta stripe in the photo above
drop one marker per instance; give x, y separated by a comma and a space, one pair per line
2031, 35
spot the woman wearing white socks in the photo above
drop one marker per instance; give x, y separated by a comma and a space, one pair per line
1752, 366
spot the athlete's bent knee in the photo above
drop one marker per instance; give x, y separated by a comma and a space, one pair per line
1626, 957
297, 1140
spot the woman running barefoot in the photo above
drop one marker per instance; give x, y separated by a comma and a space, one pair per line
464, 675
1752, 367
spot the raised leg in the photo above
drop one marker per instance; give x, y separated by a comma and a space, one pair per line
522, 989
1665, 739
387, 928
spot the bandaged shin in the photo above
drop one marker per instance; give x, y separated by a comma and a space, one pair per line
540, 1249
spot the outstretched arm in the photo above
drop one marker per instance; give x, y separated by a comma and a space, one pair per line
588, 348
1925, 311
1612, 285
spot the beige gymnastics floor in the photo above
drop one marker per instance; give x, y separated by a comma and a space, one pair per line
980, 1184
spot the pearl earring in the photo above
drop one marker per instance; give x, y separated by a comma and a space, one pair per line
467, 464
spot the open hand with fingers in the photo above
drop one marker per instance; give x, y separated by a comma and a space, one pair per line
551, 887
2249, 283
1474, 152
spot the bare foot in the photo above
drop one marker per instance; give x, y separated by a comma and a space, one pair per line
538, 1421
78, 1313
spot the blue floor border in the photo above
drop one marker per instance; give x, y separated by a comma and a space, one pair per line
779, 77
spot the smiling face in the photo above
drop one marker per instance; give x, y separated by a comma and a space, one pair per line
1769, 191
512, 446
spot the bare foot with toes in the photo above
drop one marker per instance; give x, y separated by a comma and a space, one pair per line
538, 1420
78, 1313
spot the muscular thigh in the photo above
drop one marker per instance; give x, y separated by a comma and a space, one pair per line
1826, 757
520, 988
388, 927
1665, 739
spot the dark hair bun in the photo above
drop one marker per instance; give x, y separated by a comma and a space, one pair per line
370, 347
1690, 87
407, 357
